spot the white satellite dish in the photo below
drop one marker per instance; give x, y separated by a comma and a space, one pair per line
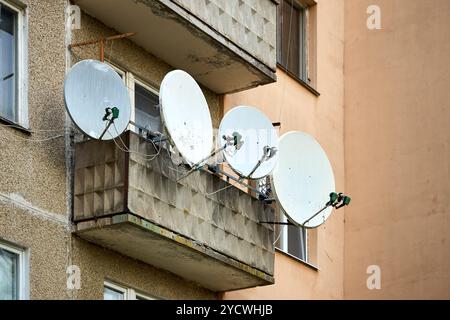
186, 117
257, 156
303, 179
97, 100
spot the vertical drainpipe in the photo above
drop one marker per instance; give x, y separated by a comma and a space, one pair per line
69, 148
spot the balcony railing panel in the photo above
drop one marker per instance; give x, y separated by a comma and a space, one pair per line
110, 183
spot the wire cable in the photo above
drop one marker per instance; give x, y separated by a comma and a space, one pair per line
279, 235
124, 148
19, 138
31, 130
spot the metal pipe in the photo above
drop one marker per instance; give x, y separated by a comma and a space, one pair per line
95, 41
215, 169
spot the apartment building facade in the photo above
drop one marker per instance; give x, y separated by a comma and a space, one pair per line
81, 219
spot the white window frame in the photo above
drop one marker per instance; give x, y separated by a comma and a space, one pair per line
23, 268
113, 286
22, 63
146, 86
130, 81
128, 293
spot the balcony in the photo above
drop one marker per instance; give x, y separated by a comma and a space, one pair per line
228, 45
136, 207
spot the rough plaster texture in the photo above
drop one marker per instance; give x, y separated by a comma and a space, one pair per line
46, 242
33, 194
398, 149
108, 182
26, 162
296, 108
130, 57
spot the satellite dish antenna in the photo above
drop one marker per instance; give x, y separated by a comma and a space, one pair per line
303, 180
186, 117
97, 100
256, 155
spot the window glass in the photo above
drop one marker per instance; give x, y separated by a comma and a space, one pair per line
8, 57
291, 239
146, 109
296, 238
292, 35
112, 294
9, 275
142, 297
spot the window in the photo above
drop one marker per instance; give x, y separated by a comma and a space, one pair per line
293, 241
292, 38
13, 278
10, 64
289, 239
144, 102
146, 106
113, 291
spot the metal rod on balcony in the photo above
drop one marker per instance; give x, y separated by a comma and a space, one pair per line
215, 169
278, 223
102, 42
336, 200
200, 164
269, 152
156, 136
234, 140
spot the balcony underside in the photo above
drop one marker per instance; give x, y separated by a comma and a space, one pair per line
147, 242
179, 38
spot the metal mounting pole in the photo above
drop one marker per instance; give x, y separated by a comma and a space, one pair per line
215, 169
234, 140
102, 42
199, 164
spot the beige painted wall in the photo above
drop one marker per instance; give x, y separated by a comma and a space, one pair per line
397, 149
298, 109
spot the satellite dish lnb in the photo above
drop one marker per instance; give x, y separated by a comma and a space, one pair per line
303, 180
97, 100
254, 156
186, 117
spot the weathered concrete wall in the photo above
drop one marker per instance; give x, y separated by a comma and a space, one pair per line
397, 151
34, 200
109, 181
25, 162
323, 117
127, 55
251, 24
127, 271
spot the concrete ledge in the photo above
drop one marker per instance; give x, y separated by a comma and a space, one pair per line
152, 244
178, 37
